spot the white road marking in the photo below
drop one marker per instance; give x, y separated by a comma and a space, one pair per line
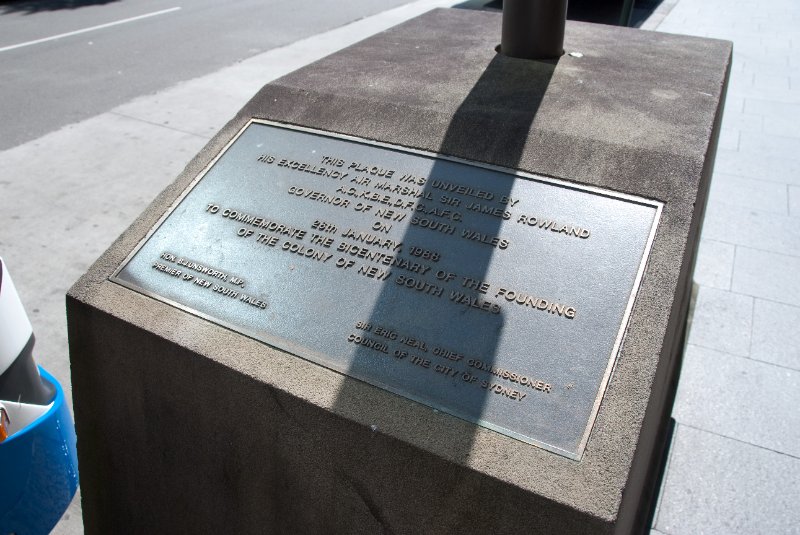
91, 29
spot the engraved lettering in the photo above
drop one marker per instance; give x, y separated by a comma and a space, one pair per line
508, 200
323, 226
473, 284
411, 179
537, 303
450, 201
447, 354
386, 333
381, 227
166, 269
369, 343
479, 237
374, 272
432, 224
488, 209
252, 301
419, 285
392, 215
474, 302
263, 223
266, 239
549, 224
433, 256
224, 290
325, 241
371, 239
308, 252
407, 191
446, 370
508, 375
376, 197
306, 167
330, 160
505, 391
438, 212
202, 282
413, 342
371, 169
410, 265
419, 361
319, 196
462, 190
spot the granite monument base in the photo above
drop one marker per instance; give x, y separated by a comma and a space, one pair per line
194, 409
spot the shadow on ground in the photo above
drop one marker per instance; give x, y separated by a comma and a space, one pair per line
37, 6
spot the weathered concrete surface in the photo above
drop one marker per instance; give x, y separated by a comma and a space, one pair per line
183, 424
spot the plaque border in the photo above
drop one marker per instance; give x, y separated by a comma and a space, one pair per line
289, 346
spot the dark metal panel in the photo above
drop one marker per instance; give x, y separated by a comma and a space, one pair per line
495, 296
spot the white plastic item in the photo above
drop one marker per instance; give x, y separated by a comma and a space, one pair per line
15, 327
21, 415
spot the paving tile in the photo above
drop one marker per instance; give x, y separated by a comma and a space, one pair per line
770, 145
739, 398
752, 122
776, 334
794, 201
761, 195
779, 24
775, 61
752, 65
769, 81
751, 228
714, 266
729, 139
722, 320
767, 275
754, 165
768, 108
718, 486
781, 126
733, 104
741, 77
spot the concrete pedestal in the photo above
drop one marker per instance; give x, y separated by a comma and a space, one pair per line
186, 426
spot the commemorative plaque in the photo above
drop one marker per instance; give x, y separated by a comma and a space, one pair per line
496, 296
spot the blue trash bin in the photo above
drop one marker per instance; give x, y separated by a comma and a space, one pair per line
39, 470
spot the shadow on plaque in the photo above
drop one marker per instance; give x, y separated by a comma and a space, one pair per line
434, 334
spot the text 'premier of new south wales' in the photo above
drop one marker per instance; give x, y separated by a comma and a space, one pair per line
497, 297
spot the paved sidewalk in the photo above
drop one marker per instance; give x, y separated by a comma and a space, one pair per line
735, 461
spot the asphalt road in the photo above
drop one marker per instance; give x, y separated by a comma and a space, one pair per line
64, 61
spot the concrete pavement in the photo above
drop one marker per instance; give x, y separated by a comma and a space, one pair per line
735, 461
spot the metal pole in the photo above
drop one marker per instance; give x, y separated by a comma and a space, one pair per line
533, 29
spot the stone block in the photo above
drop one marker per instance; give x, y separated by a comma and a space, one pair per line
185, 425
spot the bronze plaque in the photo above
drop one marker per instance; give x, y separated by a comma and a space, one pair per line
496, 296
